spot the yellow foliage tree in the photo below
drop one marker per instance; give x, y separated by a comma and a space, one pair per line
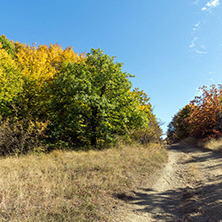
42, 62
38, 65
10, 77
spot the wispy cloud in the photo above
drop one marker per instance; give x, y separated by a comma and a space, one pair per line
211, 4
196, 46
196, 2
203, 47
200, 52
196, 26
192, 45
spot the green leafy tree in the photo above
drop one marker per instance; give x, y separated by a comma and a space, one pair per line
151, 132
10, 81
7, 45
179, 127
92, 101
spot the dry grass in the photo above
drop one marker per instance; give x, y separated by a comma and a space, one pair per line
189, 141
72, 186
214, 144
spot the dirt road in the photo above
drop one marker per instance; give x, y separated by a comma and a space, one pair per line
188, 188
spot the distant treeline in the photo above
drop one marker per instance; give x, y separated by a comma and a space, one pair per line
201, 119
52, 98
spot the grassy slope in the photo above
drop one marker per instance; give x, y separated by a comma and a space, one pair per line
213, 144
72, 186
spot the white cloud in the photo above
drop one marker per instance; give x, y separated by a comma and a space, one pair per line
200, 52
208, 4
192, 45
197, 25
215, 3
195, 2
195, 47
211, 4
203, 47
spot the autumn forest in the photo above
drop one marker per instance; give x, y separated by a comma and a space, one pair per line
52, 98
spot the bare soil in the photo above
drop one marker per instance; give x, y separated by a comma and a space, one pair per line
188, 188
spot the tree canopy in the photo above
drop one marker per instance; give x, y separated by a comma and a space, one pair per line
95, 98
202, 118
80, 99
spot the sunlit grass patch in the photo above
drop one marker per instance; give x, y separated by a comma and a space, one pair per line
72, 186
214, 144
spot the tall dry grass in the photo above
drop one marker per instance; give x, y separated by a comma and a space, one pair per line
72, 186
213, 144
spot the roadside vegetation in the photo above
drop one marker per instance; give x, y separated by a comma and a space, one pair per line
74, 135
213, 144
52, 98
73, 186
201, 119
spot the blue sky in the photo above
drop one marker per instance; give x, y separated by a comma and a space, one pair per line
172, 47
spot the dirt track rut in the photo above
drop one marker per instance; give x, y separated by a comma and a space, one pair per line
188, 188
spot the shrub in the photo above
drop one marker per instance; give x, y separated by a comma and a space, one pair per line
150, 134
179, 127
21, 136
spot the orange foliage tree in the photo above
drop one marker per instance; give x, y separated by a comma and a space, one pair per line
205, 120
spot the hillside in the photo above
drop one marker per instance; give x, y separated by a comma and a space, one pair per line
73, 186
189, 188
